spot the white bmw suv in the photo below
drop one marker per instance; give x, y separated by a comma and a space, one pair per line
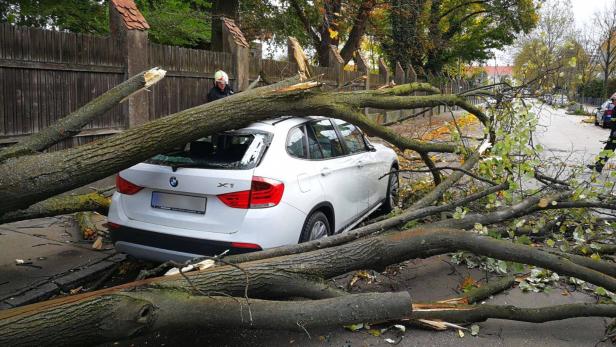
273, 183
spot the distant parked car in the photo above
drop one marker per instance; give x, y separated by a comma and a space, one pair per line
273, 183
559, 100
603, 118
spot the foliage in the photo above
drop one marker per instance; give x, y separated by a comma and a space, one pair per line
178, 22
173, 22
594, 88
84, 16
433, 34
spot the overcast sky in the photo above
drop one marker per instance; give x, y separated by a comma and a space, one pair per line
583, 11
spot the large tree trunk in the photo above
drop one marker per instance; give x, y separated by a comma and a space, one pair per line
29, 179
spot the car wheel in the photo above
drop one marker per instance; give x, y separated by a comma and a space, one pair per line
315, 227
393, 191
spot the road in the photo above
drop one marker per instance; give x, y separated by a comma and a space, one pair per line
567, 137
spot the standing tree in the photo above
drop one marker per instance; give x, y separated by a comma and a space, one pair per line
606, 23
432, 34
317, 25
541, 56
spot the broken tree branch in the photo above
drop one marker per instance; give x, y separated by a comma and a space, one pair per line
71, 125
479, 313
33, 178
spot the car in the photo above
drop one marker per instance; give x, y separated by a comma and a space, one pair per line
559, 100
603, 118
275, 182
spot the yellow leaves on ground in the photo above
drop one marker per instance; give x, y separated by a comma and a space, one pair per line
445, 129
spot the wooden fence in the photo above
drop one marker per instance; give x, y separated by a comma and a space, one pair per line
45, 75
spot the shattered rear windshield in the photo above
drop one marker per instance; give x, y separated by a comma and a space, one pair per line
237, 150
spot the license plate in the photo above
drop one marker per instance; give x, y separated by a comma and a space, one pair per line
178, 202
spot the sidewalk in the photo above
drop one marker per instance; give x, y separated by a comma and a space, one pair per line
56, 260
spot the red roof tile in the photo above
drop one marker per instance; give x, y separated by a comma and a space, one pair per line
133, 19
499, 70
235, 31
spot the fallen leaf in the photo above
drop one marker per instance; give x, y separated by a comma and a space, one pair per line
374, 332
98, 244
400, 327
76, 290
460, 333
354, 327
474, 329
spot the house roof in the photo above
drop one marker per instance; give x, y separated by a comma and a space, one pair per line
235, 31
498, 70
133, 19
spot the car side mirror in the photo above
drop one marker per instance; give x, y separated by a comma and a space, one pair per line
371, 148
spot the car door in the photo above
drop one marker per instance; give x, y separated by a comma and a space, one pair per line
364, 163
338, 171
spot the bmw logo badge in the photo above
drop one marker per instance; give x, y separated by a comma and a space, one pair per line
173, 181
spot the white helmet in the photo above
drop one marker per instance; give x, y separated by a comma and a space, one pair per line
221, 76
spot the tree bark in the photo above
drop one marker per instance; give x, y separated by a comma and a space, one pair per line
111, 317
65, 204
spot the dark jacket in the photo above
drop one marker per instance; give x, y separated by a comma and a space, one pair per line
215, 93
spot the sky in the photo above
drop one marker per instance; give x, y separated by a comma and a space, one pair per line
583, 11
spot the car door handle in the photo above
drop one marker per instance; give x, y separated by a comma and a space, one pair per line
325, 171
360, 164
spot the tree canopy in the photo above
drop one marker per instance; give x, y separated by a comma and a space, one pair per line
173, 22
432, 34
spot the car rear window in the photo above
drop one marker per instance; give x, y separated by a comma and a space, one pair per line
237, 150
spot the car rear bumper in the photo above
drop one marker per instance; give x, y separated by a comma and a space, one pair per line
161, 247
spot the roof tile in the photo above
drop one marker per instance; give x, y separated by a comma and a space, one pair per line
235, 31
133, 19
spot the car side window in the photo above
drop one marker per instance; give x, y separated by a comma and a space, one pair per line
314, 149
352, 136
296, 142
327, 138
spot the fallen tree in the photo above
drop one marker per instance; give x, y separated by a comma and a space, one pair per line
249, 290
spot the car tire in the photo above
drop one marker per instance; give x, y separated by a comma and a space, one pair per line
316, 227
393, 189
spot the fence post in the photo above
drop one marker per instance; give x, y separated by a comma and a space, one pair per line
399, 77
234, 42
129, 26
362, 67
411, 75
336, 64
383, 71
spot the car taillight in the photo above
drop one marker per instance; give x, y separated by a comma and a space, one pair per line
114, 226
264, 192
125, 187
245, 245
